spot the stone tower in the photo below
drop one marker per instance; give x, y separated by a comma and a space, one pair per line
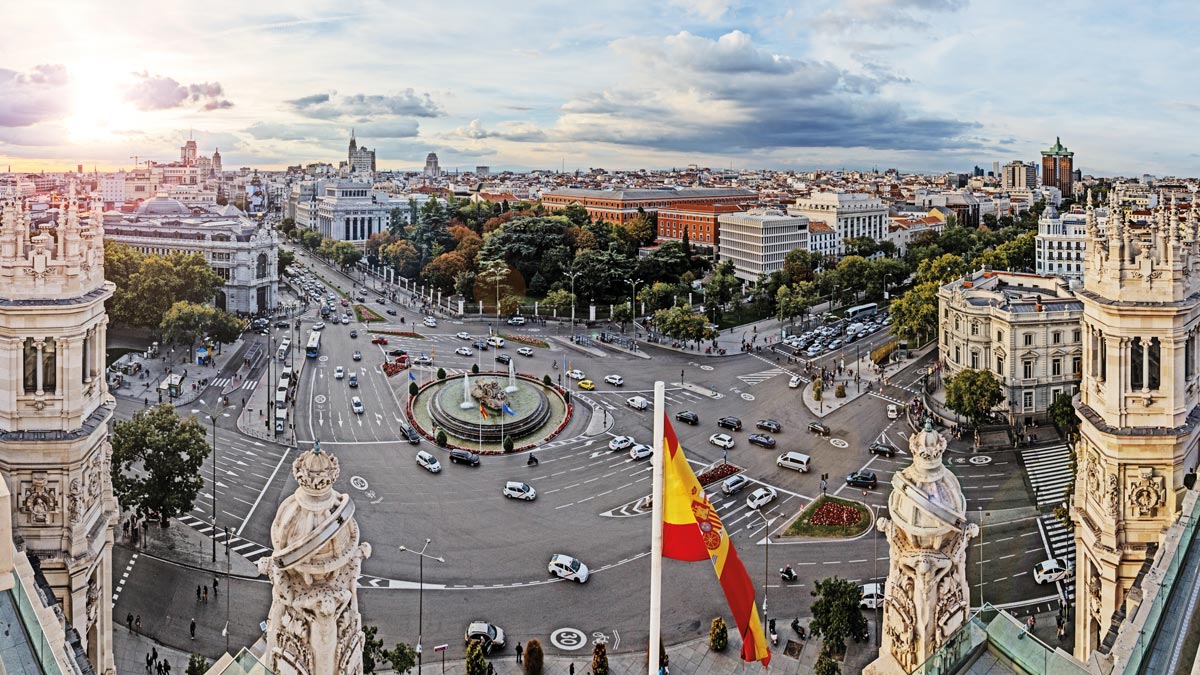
314, 627
1137, 402
927, 596
54, 412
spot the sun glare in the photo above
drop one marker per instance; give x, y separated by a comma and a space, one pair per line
98, 109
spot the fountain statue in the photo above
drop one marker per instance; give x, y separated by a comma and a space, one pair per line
489, 394
467, 402
512, 378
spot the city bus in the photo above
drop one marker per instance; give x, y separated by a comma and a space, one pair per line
862, 311
313, 349
284, 347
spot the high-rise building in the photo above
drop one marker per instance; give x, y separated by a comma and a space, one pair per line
187, 153
359, 160
54, 413
1017, 175
758, 240
1136, 406
431, 165
1058, 163
216, 161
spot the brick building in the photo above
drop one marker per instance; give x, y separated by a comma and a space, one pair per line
619, 206
699, 220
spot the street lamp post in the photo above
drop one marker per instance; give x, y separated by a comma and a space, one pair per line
766, 567
981, 557
421, 592
633, 296
212, 416
573, 275
878, 589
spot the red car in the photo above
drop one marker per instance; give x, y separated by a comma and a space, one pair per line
379, 341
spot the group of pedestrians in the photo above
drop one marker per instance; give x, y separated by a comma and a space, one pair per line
153, 665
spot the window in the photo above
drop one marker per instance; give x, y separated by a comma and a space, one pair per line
1076, 366
1027, 400
1027, 369
1076, 336
999, 336
1028, 339
957, 354
1056, 337
974, 328
1000, 365
974, 360
956, 324
1056, 367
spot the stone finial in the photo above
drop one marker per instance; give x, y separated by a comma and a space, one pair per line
316, 471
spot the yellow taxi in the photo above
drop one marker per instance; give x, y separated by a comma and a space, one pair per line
587, 384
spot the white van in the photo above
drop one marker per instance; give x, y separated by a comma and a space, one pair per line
793, 460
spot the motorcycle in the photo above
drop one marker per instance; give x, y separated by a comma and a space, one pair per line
532, 461
799, 629
771, 630
787, 573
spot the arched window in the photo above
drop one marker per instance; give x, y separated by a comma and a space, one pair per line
1155, 358
260, 268
1137, 357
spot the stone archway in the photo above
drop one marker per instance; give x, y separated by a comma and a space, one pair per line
222, 300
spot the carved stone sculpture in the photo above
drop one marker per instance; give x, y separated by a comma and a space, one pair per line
39, 500
75, 502
314, 626
926, 597
1147, 492
1114, 495
490, 394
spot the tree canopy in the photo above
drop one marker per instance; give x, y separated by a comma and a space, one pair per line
156, 461
148, 285
836, 616
973, 394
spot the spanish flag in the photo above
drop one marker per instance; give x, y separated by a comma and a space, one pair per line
482, 412
692, 531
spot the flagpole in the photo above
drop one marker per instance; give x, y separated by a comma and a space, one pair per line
656, 527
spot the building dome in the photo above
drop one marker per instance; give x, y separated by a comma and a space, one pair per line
162, 205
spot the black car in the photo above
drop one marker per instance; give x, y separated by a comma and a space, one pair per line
397, 352
391, 312
731, 423
762, 440
353, 334
503, 358
882, 449
769, 425
380, 301
411, 434
688, 416
480, 345
818, 428
282, 324
464, 457
862, 479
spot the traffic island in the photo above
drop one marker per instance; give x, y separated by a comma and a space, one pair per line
831, 517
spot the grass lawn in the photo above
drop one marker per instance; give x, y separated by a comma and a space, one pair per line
831, 515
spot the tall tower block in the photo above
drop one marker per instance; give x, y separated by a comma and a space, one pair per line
1137, 404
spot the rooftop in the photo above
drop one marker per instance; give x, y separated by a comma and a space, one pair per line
1016, 292
1057, 150
665, 193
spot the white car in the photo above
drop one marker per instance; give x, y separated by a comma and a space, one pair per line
576, 374
496, 341
339, 373
734, 483
640, 451
428, 462
320, 325
356, 405
615, 380
872, 596
525, 351
345, 319
721, 440
794, 382
566, 567
760, 498
464, 351
517, 490
431, 322
423, 360
517, 321
893, 412
620, 443
463, 335
1050, 571
637, 402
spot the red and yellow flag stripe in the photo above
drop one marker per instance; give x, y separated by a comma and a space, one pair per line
692, 531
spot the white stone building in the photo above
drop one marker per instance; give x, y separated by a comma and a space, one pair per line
758, 240
1024, 328
822, 239
1019, 174
346, 211
1060, 242
243, 252
850, 214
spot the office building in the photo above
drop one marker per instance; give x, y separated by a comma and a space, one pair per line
359, 160
1019, 175
432, 170
850, 214
700, 221
758, 240
1058, 165
618, 206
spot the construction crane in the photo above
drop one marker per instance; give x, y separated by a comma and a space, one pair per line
135, 160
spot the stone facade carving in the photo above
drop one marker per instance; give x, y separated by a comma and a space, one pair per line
39, 499
490, 394
1114, 496
75, 506
1147, 492
314, 626
927, 596
1092, 474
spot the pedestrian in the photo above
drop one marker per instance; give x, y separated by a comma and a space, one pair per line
129, 620
166, 667
137, 623
148, 661
216, 585
154, 653
519, 650
1062, 632
491, 669
571, 671
206, 594
197, 592
192, 629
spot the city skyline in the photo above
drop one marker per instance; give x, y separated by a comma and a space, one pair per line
920, 85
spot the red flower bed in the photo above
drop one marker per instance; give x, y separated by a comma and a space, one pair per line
366, 314
717, 473
522, 339
401, 333
834, 514
391, 368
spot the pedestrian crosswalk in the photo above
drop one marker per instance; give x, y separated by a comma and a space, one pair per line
248, 549
1060, 541
1049, 471
220, 382
752, 379
249, 385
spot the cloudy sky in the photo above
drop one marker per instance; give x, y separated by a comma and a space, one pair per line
914, 84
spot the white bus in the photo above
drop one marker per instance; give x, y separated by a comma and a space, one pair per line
313, 349
862, 311
284, 347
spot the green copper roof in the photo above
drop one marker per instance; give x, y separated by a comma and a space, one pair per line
1057, 150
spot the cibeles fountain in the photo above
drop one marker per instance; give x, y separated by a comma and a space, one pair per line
482, 409
927, 597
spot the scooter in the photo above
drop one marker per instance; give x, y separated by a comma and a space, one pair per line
799, 629
788, 574
532, 461
771, 630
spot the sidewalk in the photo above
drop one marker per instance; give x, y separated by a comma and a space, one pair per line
257, 418
143, 386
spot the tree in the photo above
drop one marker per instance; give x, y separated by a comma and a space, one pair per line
860, 246
1062, 414
602, 274
884, 274
622, 314
533, 657
559, 301
442, 270
788, 304
166, 453
286, 258
914, 314
682, 323
225, 327
402, 256
440, 438
826, 664
146, 293
577, 215
287, 226
413, 388
509, 304
507, 444
973, 393
346, 255
718, 635
441, 373
185, 322
941, 270
800, 265
529, 245
599, 660
310, 239
197, 665
835, 612
476, 665
398, 220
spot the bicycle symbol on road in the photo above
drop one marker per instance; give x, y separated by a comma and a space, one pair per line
599, 638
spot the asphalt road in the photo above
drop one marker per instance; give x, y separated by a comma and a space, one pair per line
496, 550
